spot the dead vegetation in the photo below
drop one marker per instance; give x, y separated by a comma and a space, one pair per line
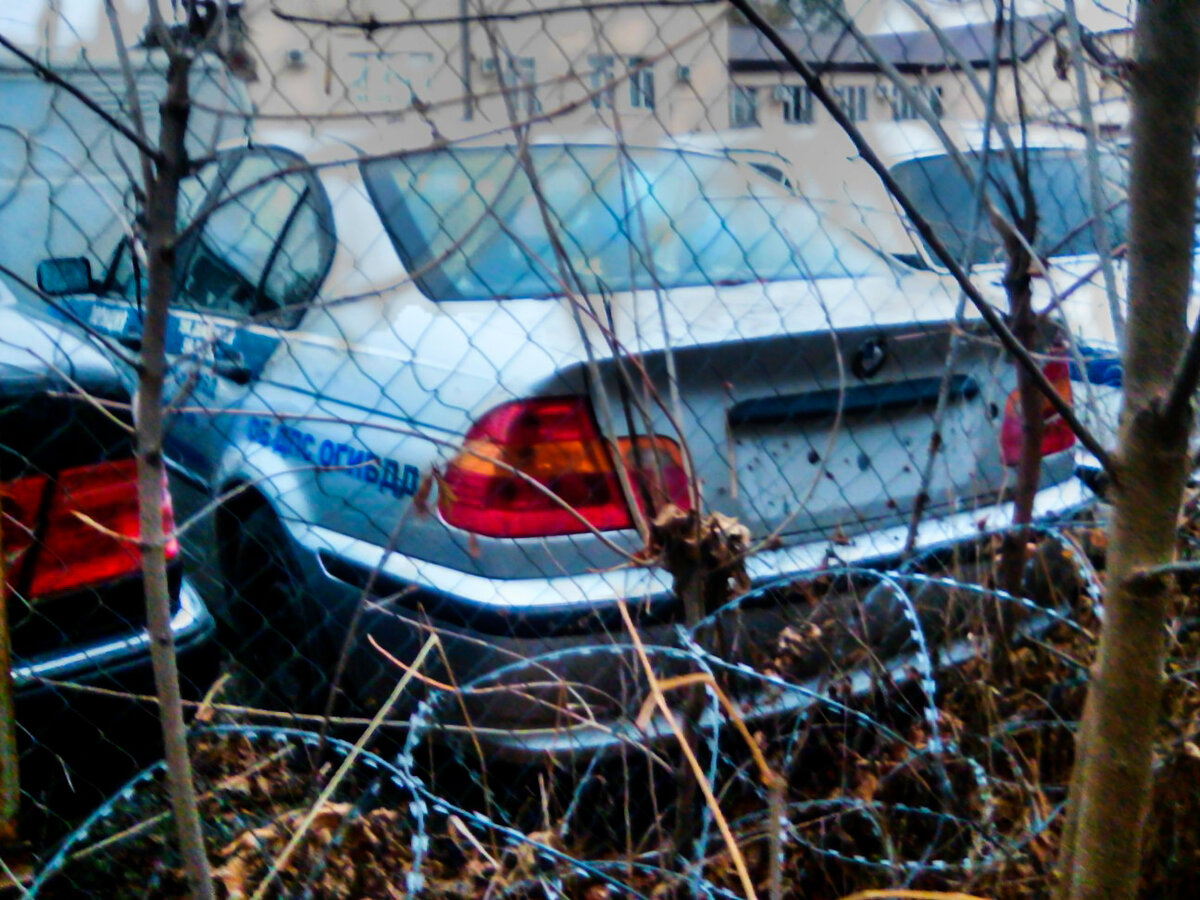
886, 786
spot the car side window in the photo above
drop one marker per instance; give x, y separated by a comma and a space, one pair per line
296, 271
126, 278
264, 240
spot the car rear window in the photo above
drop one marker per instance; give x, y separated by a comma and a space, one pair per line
468, 223
43, 434
1058, 180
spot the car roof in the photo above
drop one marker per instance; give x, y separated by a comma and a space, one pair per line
38, 353
825, 166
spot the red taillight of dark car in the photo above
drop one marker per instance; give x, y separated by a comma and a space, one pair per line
1056, 434
522, 455
77, 529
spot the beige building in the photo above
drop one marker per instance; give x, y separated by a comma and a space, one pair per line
948, 71
405, 73
440, 68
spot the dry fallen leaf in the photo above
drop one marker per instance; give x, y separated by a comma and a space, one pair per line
420, 500
868, 784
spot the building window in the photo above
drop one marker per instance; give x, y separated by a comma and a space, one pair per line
797, 104
641, 83
743, 107
903, 108
853, 99
600, 81
387, 78
935, 102
520, 81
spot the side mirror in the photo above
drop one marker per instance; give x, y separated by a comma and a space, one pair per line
65, 275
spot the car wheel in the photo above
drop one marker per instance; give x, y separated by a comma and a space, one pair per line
270, 627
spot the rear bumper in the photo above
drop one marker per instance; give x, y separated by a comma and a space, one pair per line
567, 595
191, 627
569, 624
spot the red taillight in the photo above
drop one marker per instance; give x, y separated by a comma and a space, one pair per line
554, 442
1056, 434
54, 531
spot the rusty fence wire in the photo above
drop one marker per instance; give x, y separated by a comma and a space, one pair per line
588, 476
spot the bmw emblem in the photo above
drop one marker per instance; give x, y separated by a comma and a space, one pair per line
869, 358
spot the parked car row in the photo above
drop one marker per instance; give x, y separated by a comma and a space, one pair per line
1041, 168
410, 375
72, 579
68, 496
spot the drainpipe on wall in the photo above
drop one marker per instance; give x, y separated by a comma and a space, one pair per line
465, 39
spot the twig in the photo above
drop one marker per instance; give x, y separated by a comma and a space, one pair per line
957, 339
735, 852
371, 24
1099, 230
776, 818
765, 773
774, 782
518, 690
429, 681
343, 769
10, 758
1187, 374
921, 224
14, 880
227, 708
51, 76
131, 90
146, 824
162, 212
457, 824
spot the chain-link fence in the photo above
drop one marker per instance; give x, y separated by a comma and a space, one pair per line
614, 449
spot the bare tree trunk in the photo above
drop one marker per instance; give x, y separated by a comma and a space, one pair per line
1111, 790
1017, 283
161, 210
1029, 464
10, 780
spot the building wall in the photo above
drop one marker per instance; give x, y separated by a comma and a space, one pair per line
406, 85
1045, 95
665, 68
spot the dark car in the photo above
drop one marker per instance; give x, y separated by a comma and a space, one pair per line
73, 590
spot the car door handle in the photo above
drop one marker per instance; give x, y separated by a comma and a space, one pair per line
238, 373
231, 365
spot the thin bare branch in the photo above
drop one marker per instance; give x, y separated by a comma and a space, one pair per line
340, 774
54, 78
993, 319
371, 24
1186, 379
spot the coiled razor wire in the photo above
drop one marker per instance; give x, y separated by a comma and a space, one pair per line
280, 736
896, 866
516, 837
714, 730
80, 834
921, 659
1089, 585
912, 754
1089, 578
426, 719
419, 810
